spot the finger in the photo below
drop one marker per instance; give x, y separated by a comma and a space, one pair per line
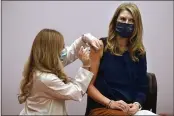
120, 107
97, 42
100, 42
116, 105
86, 53
80, 54
123, 105
81, 49
134, 106
130, 105
122, 102
85, 50
132, 111
126, 108
88, 49
94, 46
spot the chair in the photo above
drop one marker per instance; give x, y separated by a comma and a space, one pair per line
151, 100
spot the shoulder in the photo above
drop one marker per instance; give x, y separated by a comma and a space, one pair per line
99, 53
140, 55
103, 39
142, 60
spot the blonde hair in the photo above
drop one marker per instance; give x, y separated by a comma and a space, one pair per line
44, 57
135, 43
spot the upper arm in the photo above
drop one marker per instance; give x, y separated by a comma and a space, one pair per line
71, 55
142, 80
143, 63
72, 51
142, 69
95, 57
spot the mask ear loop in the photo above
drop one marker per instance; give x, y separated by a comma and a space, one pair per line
63, 54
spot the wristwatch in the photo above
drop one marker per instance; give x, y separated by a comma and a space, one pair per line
140, 107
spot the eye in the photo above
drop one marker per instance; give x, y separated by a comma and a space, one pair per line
131, 20
122, 18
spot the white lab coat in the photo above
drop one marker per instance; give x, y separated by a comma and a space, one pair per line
49, 92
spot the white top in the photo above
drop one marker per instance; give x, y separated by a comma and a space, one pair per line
49, 92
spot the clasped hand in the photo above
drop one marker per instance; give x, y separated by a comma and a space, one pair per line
129, 109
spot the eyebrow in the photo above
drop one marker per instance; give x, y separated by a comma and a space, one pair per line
125, 17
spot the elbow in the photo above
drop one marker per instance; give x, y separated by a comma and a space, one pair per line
79, 99
77, 96
90, 88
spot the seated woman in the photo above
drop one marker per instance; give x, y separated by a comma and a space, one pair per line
120, 83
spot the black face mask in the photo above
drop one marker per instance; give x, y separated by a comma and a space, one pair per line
124, 30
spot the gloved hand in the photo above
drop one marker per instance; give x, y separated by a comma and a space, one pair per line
92, 41
84, 56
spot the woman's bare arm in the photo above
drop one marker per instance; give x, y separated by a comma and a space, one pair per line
92, 90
